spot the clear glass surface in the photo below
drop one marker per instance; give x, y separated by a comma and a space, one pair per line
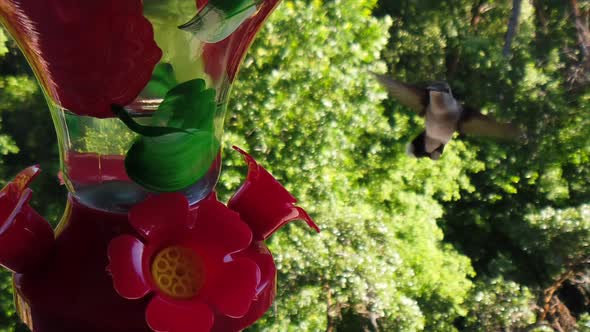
89, 56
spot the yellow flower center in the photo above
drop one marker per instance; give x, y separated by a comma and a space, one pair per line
178, 272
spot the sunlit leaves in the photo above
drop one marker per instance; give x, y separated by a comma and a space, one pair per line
308, 108
562, 235
3, 40
7, 145
16, 91
498, 304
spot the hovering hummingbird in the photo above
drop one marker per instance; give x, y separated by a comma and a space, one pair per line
443, 116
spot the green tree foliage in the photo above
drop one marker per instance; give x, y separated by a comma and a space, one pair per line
498, 304
9, 88
562, 236
26, 128
525, 223
311, 112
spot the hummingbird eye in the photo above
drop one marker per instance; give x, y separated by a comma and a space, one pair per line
447, 88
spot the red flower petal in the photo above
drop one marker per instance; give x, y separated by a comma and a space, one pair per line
126, 255
234, 287
25, 177
160, 214
265, 291
219, 230
178, 316
264, 203
25, 236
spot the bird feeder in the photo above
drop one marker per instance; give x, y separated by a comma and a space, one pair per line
138, 91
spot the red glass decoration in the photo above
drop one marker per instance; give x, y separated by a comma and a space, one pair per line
85, 62
71, 291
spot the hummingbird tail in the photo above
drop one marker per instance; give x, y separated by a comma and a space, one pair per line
417, 148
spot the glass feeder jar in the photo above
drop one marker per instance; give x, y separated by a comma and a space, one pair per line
89, 60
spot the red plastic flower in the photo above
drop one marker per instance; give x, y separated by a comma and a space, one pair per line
87, 54
192, 262
25, 237
201, 263
264, 203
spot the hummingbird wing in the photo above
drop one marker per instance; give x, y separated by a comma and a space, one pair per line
408, 95
475, 123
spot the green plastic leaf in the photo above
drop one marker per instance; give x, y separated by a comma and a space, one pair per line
188, 105
181, 146
162, 81
232, 6
171, 162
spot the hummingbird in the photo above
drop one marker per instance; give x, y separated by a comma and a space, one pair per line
444, 115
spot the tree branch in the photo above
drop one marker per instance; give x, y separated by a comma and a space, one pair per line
582, 31
512, 26
552, 309
477, 12
542, 19
330, 326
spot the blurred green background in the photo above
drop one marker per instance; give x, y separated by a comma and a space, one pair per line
492, 237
